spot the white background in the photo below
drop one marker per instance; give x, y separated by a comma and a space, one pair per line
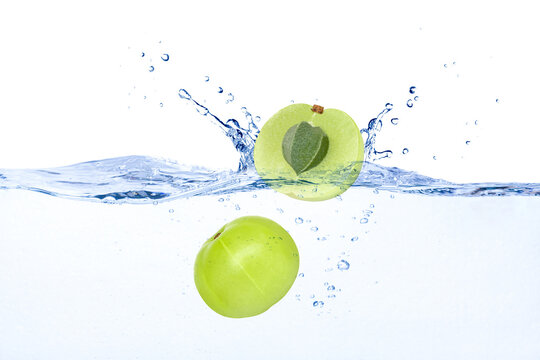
429, 278
73, 79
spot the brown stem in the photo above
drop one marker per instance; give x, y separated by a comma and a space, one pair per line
317, 108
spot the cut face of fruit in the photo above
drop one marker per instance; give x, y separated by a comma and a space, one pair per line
328, 147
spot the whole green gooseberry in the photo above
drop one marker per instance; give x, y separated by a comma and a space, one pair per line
246, 267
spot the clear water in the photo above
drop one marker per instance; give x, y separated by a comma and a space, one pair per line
400, 266
141, 179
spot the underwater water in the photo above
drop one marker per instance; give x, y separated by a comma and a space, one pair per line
401, 265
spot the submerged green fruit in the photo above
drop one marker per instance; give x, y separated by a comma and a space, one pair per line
309, 153
246, 267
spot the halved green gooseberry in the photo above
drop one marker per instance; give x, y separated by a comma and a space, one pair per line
318, 173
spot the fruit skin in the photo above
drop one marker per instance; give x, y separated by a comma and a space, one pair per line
336, 172
246, 267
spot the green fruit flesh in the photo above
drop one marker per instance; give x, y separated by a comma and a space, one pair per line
335, 172
246, 267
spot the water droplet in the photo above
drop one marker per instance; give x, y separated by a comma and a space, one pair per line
220, 90
355, 238
468, 142
160, 104
412, 89
394, 121
184, 94
363, 221
207, 78
314, 229
151, 68
331, 288
221, 199
343, 265
165, 57
299, 220
202, 110
405, 151
416, 98
409, 103
301, 275
142, 54
389, 106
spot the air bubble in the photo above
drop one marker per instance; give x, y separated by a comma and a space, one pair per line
409, 103
468, 142
220, 90
165, 57
416, 98
364, 221
206, 78
160, 104
142, 54
171, 211
151, 68
301, 275
343, 265
314, 229
331, 288
389, 106
355, 238
394, 121
221, 199
237, 207
299, 220
405, 151
412, 89
318, 303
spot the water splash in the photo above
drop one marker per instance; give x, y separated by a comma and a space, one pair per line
142, 179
